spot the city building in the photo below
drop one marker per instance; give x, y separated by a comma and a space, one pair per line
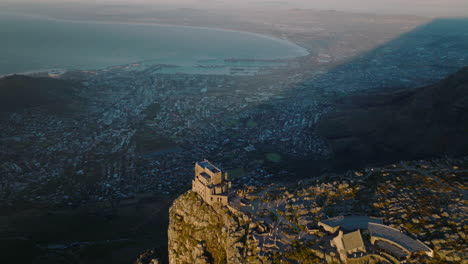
211, 183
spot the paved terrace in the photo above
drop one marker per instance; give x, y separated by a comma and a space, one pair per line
395, 236
389, 247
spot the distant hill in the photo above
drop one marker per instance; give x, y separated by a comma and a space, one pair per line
19, 92
400, 124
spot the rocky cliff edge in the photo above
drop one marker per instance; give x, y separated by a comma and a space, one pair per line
199, 233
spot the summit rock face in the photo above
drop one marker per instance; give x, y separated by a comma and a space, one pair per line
199, 233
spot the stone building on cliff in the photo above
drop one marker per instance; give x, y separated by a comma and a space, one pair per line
211, 183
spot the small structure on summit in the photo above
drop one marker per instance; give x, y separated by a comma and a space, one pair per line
349, 245
388, 241
211, 183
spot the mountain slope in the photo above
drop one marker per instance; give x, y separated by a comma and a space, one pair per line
19, 92
401, 124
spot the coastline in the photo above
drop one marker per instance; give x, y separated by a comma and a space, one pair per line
269, 36
302, 51
28, 73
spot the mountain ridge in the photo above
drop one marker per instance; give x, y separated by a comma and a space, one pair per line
401, 124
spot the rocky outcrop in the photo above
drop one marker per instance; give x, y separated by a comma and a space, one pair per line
148, 257
279, 223
201, 234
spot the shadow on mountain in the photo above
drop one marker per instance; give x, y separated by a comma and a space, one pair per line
420, 57
19, 92
401, 124
390, 103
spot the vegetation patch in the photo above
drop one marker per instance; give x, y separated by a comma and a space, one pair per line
302, 254
231, 122
251, 124
55, 96
236, 173
273, 157
152, 111
148, 141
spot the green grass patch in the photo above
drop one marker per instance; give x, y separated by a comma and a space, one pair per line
236, 173
251, 124
234, 135
231, 122
273, 157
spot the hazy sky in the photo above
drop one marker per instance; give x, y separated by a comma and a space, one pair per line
415, 7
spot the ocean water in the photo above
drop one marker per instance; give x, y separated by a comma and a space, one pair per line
29, 44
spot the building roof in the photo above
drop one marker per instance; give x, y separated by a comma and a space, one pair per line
353, 222
207, 165
398, 252
396, 236
353, 241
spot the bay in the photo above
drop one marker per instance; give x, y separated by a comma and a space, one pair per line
31, 44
